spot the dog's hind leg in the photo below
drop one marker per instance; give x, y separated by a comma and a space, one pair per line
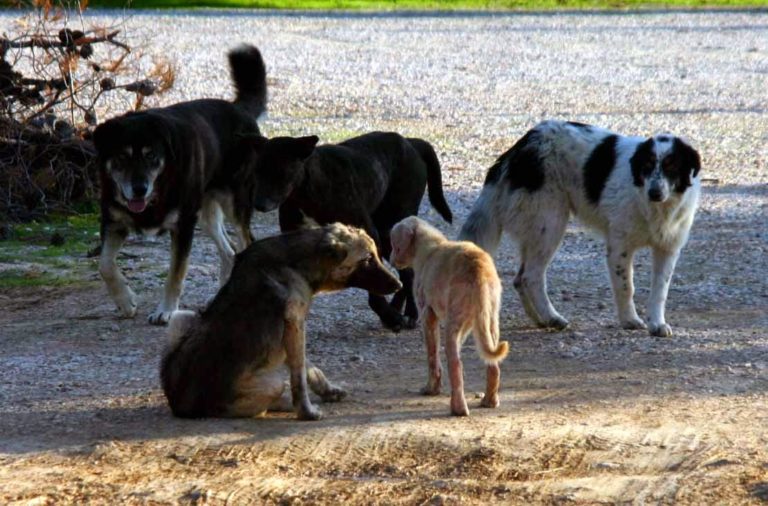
538, 244
113, 238
454, 337
663, 267
181, 244
319, 384
431, 330
212, 222
255, 393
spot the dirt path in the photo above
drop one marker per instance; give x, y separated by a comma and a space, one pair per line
592, 414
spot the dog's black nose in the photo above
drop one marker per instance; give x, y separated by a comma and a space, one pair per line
655, 195
139, 188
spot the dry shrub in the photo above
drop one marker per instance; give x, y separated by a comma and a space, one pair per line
57, 78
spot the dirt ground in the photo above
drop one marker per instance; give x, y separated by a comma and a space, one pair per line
590, 415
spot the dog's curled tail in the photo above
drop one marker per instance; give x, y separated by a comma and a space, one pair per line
483, 226
434, 177
249, 76
486, 330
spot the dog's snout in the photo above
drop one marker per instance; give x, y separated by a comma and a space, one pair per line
655, 194
139, 188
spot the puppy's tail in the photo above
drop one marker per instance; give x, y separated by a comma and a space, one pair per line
434, 177
483, 226
249, 76
486, 329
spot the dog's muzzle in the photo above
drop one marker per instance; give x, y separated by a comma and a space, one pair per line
375, 278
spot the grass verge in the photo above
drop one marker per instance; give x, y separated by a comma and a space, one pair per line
51, 253
444, 5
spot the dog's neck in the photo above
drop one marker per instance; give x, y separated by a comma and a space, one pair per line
427, 245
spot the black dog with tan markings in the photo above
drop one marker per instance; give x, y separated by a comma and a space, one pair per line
162, 168
372, 181
227, 361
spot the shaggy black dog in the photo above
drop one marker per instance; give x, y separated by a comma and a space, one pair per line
372, 181
161, 167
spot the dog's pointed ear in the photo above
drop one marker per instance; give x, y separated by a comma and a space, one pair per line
689, 157
305, 146
103, 133
254, 142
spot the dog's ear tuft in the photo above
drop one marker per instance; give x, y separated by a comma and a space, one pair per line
305, 146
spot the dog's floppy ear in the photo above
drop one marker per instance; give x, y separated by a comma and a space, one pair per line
330, 247
688, 157
254, 142
642, 162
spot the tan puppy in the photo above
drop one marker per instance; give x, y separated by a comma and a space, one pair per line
456, 283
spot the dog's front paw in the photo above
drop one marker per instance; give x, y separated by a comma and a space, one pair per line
309, 413
333, 394
660, 330
160, 317
633, 323
126, 303
556, 322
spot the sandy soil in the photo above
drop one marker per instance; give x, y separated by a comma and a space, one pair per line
593, 414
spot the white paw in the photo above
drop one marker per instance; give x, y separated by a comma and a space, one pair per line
160, 316
660, 329
633, 323
126, 303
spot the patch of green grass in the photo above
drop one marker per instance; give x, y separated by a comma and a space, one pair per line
14, 278
446, 5
31, 259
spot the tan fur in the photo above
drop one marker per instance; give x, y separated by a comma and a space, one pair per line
228, 360
456, 283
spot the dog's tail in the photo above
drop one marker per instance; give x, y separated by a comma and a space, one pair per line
486, 328
249, 76
483, 225
434, 177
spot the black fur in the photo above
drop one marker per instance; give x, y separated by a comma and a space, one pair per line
523, 165
598, 168
643, 162
372, 181
684, 160
198, 142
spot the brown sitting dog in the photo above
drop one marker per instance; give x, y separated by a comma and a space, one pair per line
455, 282
227, 361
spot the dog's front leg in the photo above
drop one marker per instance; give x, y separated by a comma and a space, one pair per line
619, 259
295, 351
663, 267
113, 239
181, 244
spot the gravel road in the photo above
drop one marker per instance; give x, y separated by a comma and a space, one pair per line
593, 414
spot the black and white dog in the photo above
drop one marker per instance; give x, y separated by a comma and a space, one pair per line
163, 168
637, 192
